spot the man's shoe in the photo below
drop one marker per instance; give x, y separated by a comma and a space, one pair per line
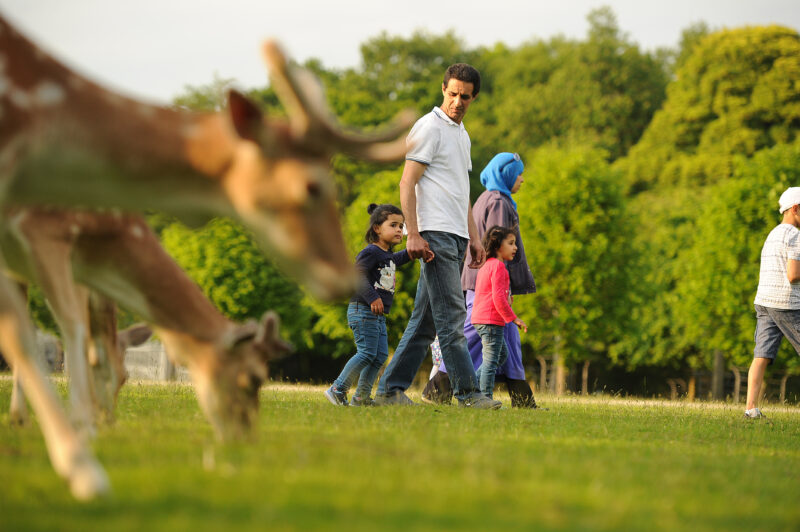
397, 398
480, 402
754, 413
336, 397
357, 401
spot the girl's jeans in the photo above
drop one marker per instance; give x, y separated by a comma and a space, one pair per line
494, 355
372, 350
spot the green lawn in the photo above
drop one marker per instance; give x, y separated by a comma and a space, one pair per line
586, 464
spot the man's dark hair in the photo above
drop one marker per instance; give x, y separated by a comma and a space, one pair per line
466, 73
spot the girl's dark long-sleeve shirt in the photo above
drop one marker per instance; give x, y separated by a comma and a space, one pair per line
377, 268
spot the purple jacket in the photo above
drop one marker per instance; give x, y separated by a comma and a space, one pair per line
493, 208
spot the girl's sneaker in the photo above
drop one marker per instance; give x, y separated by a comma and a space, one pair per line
754, 413
358, 401
336, 397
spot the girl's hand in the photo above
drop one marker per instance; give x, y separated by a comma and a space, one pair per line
521, 324
377, 306
429, 255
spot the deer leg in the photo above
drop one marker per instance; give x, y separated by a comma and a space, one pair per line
69, 455
50, 260
18, 412
106, 367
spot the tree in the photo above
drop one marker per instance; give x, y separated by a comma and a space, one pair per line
736, 94
603, 90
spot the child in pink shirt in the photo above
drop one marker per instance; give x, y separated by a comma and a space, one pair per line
491, 309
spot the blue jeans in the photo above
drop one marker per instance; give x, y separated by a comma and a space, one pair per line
438, 308
372, 349
495, 354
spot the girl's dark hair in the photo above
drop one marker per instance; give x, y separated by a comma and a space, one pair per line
493, 239
378, 215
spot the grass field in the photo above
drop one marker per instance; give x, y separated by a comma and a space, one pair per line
586, 464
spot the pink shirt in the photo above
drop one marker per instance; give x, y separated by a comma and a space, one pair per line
491, 305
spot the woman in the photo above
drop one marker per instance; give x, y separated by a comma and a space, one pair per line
502, 177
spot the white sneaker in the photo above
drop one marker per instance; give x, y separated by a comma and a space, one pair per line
754, 413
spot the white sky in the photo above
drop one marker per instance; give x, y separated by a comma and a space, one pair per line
153, 48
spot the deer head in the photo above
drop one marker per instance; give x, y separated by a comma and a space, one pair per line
228, 391
280, 182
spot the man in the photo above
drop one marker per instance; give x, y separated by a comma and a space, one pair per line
434, 195
778, 297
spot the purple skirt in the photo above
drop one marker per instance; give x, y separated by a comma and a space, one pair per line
513, 368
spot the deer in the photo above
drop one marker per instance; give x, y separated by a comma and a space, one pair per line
68, 142
120, 260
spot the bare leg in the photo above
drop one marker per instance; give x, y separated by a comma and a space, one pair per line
755, 376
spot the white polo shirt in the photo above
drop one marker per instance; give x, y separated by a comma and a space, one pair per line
774, 288
443, 190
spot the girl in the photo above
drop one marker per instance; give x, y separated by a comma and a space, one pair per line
491, 309
366, 314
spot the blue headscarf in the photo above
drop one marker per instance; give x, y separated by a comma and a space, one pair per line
501, 173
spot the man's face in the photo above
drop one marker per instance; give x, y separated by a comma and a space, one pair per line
457, 97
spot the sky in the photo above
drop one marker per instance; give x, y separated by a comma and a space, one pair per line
154, 48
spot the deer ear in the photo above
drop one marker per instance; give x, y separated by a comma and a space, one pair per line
245, 116
134, 335
268, 338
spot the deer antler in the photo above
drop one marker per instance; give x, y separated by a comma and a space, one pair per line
313, 124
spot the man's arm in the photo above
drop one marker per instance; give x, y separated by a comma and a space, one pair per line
416, 245
475, 246
793, 270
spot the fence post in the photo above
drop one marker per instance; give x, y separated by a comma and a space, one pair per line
166, 369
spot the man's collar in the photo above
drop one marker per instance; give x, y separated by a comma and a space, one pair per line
441, 114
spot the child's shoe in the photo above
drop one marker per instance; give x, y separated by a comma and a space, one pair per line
358, 401
336, 397
754, 413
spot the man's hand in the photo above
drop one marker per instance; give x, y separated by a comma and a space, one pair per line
521, 324
418, 247
478, 254
377, 307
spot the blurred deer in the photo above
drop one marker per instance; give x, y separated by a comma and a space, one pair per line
66, 141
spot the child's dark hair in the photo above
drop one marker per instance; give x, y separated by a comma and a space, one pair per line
493, 239
378, 215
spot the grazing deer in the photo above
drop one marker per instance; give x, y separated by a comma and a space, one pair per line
65, 141
118, 255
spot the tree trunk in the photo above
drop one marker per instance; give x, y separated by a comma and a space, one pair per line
718, 377
783, 387
585, 378
737, 383
561, 376
542, 372
673, 389
692, 388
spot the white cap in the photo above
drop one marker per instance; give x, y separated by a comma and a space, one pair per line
789, 199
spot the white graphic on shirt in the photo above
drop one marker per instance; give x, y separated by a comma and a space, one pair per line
386, 281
